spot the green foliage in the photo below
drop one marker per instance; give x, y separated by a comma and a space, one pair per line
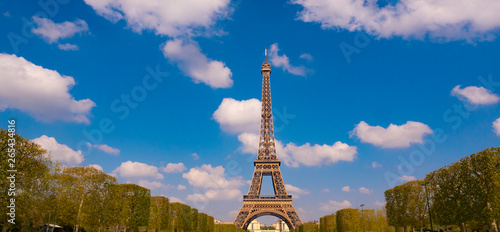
159, 218
467, 192
76, 197
328, 223
406, 204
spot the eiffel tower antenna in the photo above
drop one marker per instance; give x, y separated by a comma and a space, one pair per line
267, 164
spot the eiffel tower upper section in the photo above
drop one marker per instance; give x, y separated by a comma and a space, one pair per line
267, 147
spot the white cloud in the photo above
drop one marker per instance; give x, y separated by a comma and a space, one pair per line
326, 190
284, 63
131, 169
212, 180
307, 56
364, 190
165, 17
475, 95
496, 126
181, 187
407, 178
236, 116
68, 47
296, 190
376, 165
394, 136
346, 189
317, 155
294, 156
40, 92
96, 166
188, 57
444, 20
105, 148
59, 152
53, 32
152, 185
333, 206
195, 156
379, 204
174, 168
175, 199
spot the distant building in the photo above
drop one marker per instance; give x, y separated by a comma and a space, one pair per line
279, 225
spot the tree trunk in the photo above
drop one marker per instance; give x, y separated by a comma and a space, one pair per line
462, 227
79, 210
493, 226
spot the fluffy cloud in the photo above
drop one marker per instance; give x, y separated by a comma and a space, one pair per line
174, 168
445, 20
214, 183
105, 148
393, 136
284, 63
326, 190
407, 178
333, 206
296, 190
364, 190
165, 17
131, 169
496, 126
96, 166
181, 187
376, 165
379, 204
236, 116
346, 189
294, 156
188, 57
475, 95
59, 152
40, 92
53, 32
175, 199
152, 185
195, 156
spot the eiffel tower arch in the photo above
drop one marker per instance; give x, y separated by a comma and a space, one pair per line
267, 164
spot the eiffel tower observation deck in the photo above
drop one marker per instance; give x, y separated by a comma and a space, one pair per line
267, 164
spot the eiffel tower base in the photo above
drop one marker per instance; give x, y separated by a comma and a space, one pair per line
257, 206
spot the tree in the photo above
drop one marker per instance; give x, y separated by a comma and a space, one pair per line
159, 218
328, 223
349, 220
31, 180
406, 205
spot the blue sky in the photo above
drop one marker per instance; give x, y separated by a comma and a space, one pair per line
166, 94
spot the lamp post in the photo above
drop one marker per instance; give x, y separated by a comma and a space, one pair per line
428, 205
363, 216
106, 208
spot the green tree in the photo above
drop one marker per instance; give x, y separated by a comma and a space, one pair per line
159, 218
31, 181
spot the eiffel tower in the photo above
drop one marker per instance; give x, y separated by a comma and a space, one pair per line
267, 164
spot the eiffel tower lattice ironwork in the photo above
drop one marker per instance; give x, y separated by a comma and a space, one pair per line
267, 164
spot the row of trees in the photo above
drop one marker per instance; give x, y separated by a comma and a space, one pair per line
349, 219
78, 198
462, 196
